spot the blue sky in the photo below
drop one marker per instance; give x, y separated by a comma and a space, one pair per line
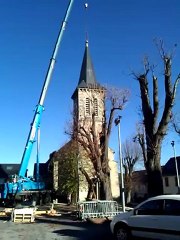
121, 33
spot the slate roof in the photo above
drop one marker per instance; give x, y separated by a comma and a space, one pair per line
7, 170
87, 78
170, 168
87, 75
139, 176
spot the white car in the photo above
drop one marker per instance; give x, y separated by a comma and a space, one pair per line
156, 218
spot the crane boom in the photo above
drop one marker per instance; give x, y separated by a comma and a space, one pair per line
39, 108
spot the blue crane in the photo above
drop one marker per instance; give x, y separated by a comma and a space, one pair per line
21, 183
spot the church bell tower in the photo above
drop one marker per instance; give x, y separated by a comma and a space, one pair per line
89, 96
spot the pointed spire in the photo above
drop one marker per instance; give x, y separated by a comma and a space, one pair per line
87, 76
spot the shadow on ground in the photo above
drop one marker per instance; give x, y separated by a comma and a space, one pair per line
65, 225
80, 230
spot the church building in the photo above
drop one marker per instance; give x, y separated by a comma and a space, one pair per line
89, 100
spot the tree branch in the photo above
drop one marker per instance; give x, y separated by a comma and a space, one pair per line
169, 98
155, 103
146, 107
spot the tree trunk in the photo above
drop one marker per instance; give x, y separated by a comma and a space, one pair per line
154, 173
91, 191
91, 186
128, 187
105, 188
128, 196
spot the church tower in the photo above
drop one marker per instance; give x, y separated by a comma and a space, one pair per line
89, 114
88, 97
88, 101
88, 104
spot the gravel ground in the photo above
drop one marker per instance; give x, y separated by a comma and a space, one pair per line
33, 231
64, 227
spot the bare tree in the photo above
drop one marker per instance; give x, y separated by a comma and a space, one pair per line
131, 154
91, 184
141, 139
96, 143
155, 131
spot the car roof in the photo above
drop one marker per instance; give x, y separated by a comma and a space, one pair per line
172, 196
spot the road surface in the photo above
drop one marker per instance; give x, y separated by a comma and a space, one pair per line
60, 227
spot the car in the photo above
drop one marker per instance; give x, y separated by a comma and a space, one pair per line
155, 218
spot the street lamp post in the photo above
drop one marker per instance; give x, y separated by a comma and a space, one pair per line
97, 187
117, 123
176, 165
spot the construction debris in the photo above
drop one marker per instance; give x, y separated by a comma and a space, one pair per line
28, 214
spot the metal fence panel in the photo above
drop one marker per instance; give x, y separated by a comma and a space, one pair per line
100, 209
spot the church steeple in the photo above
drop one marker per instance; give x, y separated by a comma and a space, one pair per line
88, 97
87, 78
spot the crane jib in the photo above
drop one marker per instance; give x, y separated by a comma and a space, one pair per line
30, 140
37, 116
